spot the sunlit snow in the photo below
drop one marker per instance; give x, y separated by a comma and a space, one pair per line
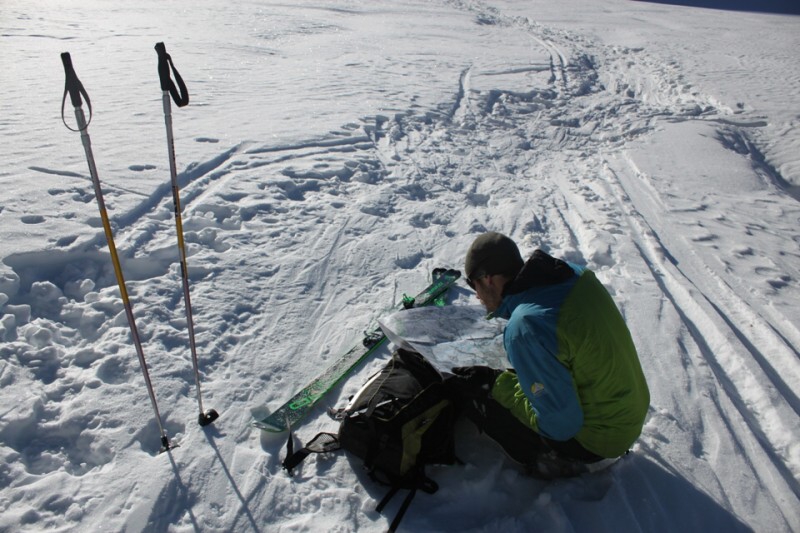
334, 153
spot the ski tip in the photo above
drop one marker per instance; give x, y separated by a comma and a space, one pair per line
264, 420
440, 272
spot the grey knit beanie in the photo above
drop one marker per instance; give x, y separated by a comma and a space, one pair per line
493, 253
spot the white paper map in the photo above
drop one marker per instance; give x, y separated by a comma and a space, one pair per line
449, 336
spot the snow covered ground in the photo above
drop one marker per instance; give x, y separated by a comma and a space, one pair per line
333, 153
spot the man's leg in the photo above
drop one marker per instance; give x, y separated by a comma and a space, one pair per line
471, 389
541, 457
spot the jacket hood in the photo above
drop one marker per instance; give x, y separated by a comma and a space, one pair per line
540, 270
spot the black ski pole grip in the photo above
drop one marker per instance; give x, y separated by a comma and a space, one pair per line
73, 84
163, 66
74, 88
180, 94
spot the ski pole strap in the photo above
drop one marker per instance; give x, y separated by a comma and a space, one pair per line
180, 95
74, 87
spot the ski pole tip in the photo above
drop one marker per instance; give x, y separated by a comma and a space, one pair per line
166, 445
208, 417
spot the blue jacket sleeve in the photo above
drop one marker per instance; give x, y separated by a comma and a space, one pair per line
531, 345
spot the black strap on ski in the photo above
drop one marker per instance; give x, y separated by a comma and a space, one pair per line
74, 87
180, 97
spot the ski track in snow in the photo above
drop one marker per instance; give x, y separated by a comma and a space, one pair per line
330, 231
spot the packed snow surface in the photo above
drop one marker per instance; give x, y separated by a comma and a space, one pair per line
333, 153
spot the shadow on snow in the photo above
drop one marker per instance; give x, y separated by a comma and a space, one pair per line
784, 7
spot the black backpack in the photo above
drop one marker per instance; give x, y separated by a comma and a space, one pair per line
401, 420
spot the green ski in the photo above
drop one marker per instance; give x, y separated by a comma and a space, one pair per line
299, 405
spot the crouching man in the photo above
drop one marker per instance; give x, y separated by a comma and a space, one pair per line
575, 394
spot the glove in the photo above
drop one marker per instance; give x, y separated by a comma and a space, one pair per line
473, 381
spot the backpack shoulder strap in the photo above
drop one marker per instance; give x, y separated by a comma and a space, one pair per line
422, 482
403, 508
322, 443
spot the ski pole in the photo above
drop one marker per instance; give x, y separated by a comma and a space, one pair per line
74, 87
181, 98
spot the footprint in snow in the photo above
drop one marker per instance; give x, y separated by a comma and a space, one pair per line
141, 168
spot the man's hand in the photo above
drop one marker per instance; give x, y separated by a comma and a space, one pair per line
473, 381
